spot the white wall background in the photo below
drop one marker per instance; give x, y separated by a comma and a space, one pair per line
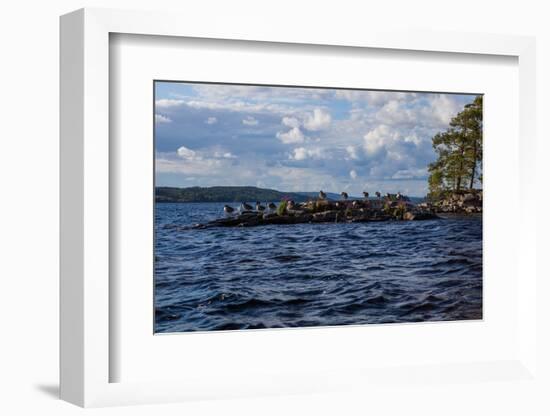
29, 83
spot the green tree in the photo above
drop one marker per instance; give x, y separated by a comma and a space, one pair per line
470, 123
459, 151
435, 180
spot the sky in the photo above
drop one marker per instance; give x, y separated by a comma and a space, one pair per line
298, 139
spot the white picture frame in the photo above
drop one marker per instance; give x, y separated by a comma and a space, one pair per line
85, 206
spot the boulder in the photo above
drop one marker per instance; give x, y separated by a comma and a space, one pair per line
408, 216
325, 216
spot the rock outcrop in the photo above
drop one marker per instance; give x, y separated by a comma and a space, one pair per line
463, 202
325, 211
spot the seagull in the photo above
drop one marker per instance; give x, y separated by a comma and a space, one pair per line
259, 207
228, 210
366, 195
245, 207
377, 194
322, 195
399, 196
290, 204
355, 204
344, 195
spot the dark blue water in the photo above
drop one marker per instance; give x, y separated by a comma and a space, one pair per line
312, 274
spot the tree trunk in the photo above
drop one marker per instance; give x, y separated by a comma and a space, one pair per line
472, 177
461, 168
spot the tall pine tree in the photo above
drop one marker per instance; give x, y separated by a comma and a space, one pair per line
459, 151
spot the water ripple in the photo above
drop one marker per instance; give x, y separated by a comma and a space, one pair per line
312, 274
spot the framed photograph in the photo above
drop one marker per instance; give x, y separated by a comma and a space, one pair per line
264, 219
273, 213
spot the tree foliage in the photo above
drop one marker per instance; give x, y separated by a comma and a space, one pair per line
459, 152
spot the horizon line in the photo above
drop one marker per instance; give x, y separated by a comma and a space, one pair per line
276, 190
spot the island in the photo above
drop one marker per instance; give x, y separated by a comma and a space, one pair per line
313, 207
324, 210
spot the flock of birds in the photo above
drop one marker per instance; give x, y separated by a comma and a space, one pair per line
246, 207
271, 207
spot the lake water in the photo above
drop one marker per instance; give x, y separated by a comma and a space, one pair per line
312, 274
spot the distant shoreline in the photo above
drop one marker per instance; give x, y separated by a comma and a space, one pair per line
237, 194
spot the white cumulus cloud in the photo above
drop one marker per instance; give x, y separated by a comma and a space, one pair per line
442, 108
208, 154
186, 153
301, 153
168, 102
320, 119
211, 120
159, 118
294, 135
381, 136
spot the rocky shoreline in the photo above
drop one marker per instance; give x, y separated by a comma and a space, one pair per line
462, 202
326, 211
